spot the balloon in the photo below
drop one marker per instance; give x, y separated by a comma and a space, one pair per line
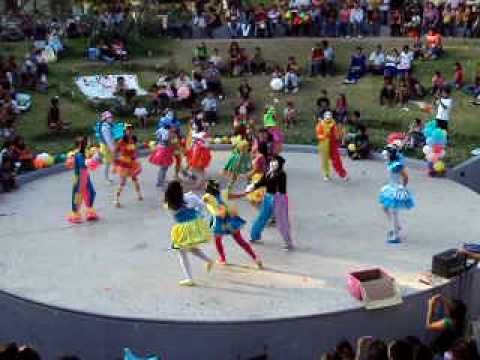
429, 141
441, 154
439, 167
395, 137
276, 84
60, 158
427, 149
92, 164
226, 140
439, 136
50, 161
218, 140
43, 156
437, 149
352, 147
70, 162
431, 157
152, 145
38, 163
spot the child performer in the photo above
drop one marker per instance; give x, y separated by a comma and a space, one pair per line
126, 163
328, 147
270, 123
226, 220
189, 232
83, 191
163, 154
107, 141
199, 155
275, 202
239, 161
259, 169
395, 196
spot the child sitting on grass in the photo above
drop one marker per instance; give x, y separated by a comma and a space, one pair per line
290, 114
359, 146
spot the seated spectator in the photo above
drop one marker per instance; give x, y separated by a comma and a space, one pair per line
449, 326
341, 109
403, 93
329, 56
289, 114
358, 67
458, 76
55, 121
28, 73
344, 351
244, 89
323, 104
377, 351
12, 72
292, 76
200, 56
244, 110
376, 61
7, 115
388, 94
363, 344
351, 128
400, 350
141, 113
7, 168
235, 67
183, 87
317, 62
474, 89
416, 89
463, 349
415, 137
217, 60
213, 82
257, 63
198, 84
434, 45
391, 62
22, 154
210, 107
105, 53
438, 83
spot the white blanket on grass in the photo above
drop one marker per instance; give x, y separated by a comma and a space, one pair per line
103, 86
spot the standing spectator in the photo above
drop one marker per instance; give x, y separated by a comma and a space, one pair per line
344, 22
391, 62
405, 62
329, 56
341, 109
246, 19
210, 107
55, 121
384, 11
444, 107
233, 22
395, 23
274, 16
200, 56
434, 45
388, 93
201, 20
331, 15
438, 82
374, 22
213, 82
431, 17
458, 76
448, 21
317, 65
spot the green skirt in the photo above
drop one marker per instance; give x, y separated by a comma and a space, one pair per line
238, 163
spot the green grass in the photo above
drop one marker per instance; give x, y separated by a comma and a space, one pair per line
362, 97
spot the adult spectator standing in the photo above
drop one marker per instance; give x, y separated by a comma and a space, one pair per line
317, 66
274, 16
444, 107
405, 62
329, 57
376, 61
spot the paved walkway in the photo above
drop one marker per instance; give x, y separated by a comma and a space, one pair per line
123, 264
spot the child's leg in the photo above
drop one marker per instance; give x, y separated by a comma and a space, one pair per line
107, 171
325, 159
201, 255
162, 174
262, 218
338, 164
123, 181
220, 249
282, 219
136, 185
243, 244
185, 264
396, 223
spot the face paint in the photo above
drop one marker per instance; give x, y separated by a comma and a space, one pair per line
273, 166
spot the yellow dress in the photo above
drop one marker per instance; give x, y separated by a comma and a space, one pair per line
190, 230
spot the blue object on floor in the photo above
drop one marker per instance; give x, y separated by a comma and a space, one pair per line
474, 248
129, 355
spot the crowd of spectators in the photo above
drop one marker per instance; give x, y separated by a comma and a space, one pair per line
343, 18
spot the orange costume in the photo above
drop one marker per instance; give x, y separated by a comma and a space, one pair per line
328, 147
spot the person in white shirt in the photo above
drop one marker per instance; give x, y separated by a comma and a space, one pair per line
391, 61
376, 61
405, 62
356, 20
444, 107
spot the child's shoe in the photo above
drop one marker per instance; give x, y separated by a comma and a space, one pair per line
92, 215
75, 218
186, 282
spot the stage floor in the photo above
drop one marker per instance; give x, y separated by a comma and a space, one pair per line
123, 265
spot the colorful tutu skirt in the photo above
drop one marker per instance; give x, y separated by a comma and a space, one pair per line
278, 139
227, 225
162, 156
238, 163
199, 157
190, 231
107, 155
130, 168
395, 197
256, 197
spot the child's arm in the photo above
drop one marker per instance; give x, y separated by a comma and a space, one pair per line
404, 175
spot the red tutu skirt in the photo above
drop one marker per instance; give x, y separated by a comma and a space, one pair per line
199, 157
127, 169
162, 156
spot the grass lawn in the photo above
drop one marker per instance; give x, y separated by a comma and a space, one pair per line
176, 53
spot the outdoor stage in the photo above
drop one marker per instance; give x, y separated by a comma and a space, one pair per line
123, 265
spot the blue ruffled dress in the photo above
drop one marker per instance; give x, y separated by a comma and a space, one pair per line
394, 195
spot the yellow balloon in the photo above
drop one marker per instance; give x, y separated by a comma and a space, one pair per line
352, 147
439, 167
152, 145
218, 140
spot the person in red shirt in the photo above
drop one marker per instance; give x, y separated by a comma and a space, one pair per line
317, 61
458, 76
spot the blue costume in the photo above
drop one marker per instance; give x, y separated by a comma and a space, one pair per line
394, 195
83, 191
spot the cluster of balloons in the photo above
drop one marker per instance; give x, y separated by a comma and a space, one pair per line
434, 150
92, 162
43, 160
222, 140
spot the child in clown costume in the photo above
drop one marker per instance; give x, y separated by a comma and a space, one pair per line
395, 196
275, 202
199, 156
239, 161
225, 221
259, 169
328, 147
270, 123
126, 164
190, 231
162, 156
83, 190
106, 137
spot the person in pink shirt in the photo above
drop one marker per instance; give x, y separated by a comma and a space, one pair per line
438, 83
344, 21
458, 76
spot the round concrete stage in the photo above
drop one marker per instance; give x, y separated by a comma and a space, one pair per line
123, 265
